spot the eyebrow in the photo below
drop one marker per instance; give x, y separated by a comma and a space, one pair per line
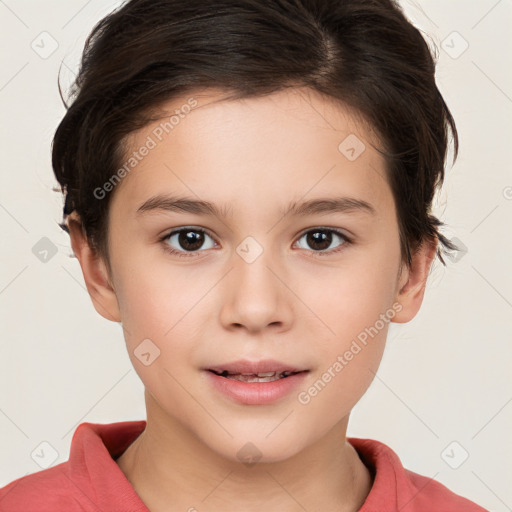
161, 202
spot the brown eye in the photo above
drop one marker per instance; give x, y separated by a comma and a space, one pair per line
320, 239
190, 240
181, 241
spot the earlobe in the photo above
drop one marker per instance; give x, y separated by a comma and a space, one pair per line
412, 282
94, 271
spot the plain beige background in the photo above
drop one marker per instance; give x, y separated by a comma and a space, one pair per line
442, 397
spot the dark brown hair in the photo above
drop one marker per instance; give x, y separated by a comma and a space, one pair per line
363, 53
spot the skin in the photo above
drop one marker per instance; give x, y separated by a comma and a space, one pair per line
254, 155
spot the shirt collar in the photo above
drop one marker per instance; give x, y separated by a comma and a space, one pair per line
93, 471
92, 467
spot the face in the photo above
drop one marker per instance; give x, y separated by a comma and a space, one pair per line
314, 289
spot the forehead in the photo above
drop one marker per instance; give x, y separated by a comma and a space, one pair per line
284, 145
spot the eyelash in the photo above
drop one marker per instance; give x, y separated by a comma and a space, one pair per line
182, 254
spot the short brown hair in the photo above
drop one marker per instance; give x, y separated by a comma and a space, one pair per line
363, 53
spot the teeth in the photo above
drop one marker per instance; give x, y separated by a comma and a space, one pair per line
258, 377
255, 378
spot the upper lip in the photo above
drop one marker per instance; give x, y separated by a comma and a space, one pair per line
253, 367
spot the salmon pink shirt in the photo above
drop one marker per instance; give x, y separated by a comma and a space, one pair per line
91, 481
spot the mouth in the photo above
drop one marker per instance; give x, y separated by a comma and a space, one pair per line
267, 370
261, 382
255, 377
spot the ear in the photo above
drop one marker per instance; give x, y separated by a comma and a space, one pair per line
412, 282
94, 270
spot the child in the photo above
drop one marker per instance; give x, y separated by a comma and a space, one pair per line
256, 131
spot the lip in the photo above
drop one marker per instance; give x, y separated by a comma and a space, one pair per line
256, 393
250, 367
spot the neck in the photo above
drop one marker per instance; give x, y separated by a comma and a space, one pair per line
171, 469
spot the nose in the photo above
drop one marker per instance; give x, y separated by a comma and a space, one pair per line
255, 293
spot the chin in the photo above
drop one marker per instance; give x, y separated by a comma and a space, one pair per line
248, 449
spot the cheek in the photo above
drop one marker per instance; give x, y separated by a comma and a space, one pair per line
347, 361
348, 299
159, 300
160, 322
356, 309
170, 307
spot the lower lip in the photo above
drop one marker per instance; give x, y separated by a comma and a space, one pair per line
256, 393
